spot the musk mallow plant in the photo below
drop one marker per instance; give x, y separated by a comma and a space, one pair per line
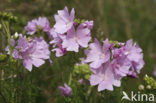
104, 65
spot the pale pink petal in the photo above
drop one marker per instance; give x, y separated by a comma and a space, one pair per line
94, 80
28, 64
37, 62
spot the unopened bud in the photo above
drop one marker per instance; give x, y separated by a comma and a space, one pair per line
148, 87
146, 76
16, 36
141, 87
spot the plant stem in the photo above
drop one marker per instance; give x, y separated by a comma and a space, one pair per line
30, 86
70, 79
12, 83
7, 30
6, 27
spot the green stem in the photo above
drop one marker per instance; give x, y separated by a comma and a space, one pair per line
7, 30
6, 27
70, 79
12, 82
30, 87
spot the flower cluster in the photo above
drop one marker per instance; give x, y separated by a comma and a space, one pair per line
31, 51
41, 23
150, 81
67, 35
110, 64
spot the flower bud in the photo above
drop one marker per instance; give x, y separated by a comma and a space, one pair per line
146, 76
148, 87
141, 87
8, 17
16, 36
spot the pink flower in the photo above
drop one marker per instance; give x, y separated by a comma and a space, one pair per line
75, 39
32, 52
41, 23
64, 20
104, 77
59, 51
66, 90
87, 24
56, 37
36, 54
96, 56
128, 59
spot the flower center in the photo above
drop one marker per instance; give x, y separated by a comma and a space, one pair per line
69, 24
104, 76
102, 56
127, 52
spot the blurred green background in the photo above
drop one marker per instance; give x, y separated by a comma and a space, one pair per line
114, 19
